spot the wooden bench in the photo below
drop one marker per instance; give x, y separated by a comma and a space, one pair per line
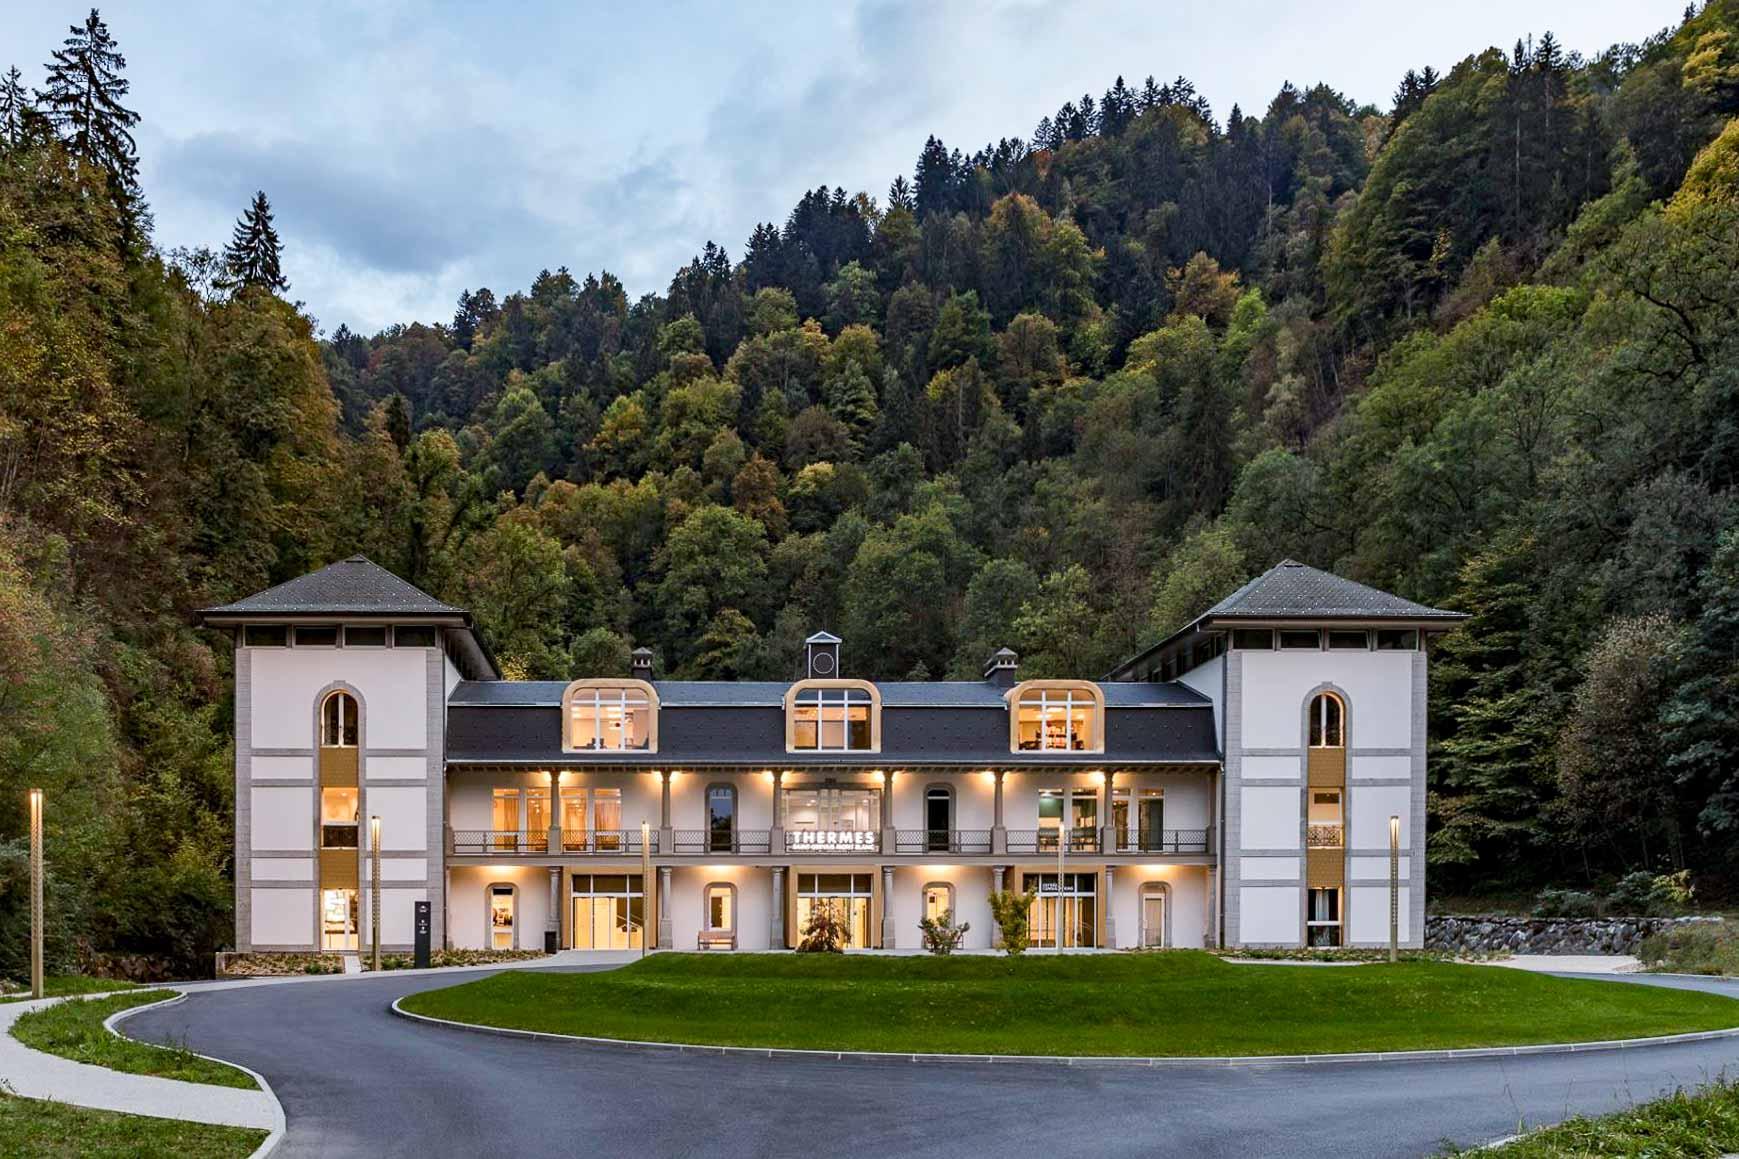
716, 940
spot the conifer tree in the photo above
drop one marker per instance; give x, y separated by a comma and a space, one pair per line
252, 255
16, 111
82, 102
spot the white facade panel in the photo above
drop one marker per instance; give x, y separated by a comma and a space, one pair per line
1372, 806
1209, 679
283, 818
971, 886
1375, 868
403, 814
283, 869
396, 869
1269, 914
1186, 905
283, 768
753, 900
282, 917
1269, 868
397, 769
1368, 912
1378, 687
398, 914
467, 904
286, 683
1273, 768
1271, 818
1393, 767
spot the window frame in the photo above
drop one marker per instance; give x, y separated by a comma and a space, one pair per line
706, 917
1364, 635
355, 825
1298, 642
356, 723
946, 887
833, 685
1312, 723
489, 927
594, 687
350, 631
251, 635
1096, 728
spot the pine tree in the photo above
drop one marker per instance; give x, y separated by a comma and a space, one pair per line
16, 111
82, 102
251, 257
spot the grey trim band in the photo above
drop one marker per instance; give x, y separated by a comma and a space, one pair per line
366, 753
309, 753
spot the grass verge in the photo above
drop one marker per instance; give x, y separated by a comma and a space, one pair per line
61, 985
48, 1130
1680, 1126
1696, 949
75, 1030
1171, 1003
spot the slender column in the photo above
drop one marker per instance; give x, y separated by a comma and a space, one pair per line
887, 907
1110, 907
776, 838
552, 933
664, 938
555, 812
1107, 818
888, 841
664, 803
996, 887
998, 832
776, 918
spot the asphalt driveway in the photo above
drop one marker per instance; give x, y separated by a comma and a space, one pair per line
357, 1080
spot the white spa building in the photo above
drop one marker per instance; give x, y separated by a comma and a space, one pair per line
1236, 784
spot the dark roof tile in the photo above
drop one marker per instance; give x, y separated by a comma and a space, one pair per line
355, 586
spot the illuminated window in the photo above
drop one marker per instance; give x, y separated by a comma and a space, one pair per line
338, 721
1327, 722
610, 715
1057, 716
338, 817
839, 716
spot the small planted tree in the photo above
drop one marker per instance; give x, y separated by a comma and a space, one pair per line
941, 935
824, 932
1013, 914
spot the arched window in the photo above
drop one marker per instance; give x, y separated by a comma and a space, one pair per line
1056, 716
609, 715
338, 721
1327, 722
840, 716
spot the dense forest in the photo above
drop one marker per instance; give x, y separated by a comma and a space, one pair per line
1479, 347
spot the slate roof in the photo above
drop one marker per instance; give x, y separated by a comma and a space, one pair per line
1290, 588
771, 694
355, 586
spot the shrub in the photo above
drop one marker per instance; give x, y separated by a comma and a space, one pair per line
1013, 914
1644, 894
941, 935
1703, 948
1566, 903
825, 932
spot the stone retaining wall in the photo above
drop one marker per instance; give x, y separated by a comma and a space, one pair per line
1490, 934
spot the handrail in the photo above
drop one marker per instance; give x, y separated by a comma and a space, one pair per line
1163, 841
942, 841
694, 842
527, 843
1082, 839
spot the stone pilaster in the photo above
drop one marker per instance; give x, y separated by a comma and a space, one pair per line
552, 932
1110, 902
888, 907
776, 912
664, 938
996, 876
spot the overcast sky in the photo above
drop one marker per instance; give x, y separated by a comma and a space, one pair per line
412, 151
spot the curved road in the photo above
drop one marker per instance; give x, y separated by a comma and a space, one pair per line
357, 1080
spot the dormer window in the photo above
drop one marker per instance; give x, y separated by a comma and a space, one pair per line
837, 716
610, 716
1056, 716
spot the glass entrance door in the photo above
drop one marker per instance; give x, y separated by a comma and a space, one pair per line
501, 917
1068, 908
338, 919
609, 911
1153, 918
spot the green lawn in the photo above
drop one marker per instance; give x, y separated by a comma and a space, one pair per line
45, 1130
60, 985
1703, 1125
1174, 1003
75, 1030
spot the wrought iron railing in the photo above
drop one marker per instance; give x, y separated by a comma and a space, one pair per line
500, 842
833, 840
942, 841
1081, 839
1163, 841
1324, 837
692, 842
607, 841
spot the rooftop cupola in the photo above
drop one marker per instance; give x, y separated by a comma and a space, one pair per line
1002, 667
821, 656
640, 663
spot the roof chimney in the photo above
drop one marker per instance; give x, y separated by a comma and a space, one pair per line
821, 653
640, 664
1000, 669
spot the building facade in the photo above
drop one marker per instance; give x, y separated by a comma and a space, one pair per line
1238, 783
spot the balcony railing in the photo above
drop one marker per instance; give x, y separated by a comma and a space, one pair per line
509, 843
693, 842
1082, 839
942, 841
1324, 837
833, 841
1164, 841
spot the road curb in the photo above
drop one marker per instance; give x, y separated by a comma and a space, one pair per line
1083, 1061
275, 1137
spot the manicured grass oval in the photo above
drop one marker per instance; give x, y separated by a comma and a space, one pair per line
74, 1029
1173, 1003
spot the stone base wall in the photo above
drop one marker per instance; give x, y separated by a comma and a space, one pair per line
1490, 934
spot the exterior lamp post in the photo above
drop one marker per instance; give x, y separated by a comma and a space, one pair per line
645, 877
1057, 898
1394, 884
374, 888
36, 893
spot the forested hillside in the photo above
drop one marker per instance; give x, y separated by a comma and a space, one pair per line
1479, 347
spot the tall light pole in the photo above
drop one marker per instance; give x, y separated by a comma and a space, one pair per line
1394, 884
646, 882
374, 887
1057, 897
36, 893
